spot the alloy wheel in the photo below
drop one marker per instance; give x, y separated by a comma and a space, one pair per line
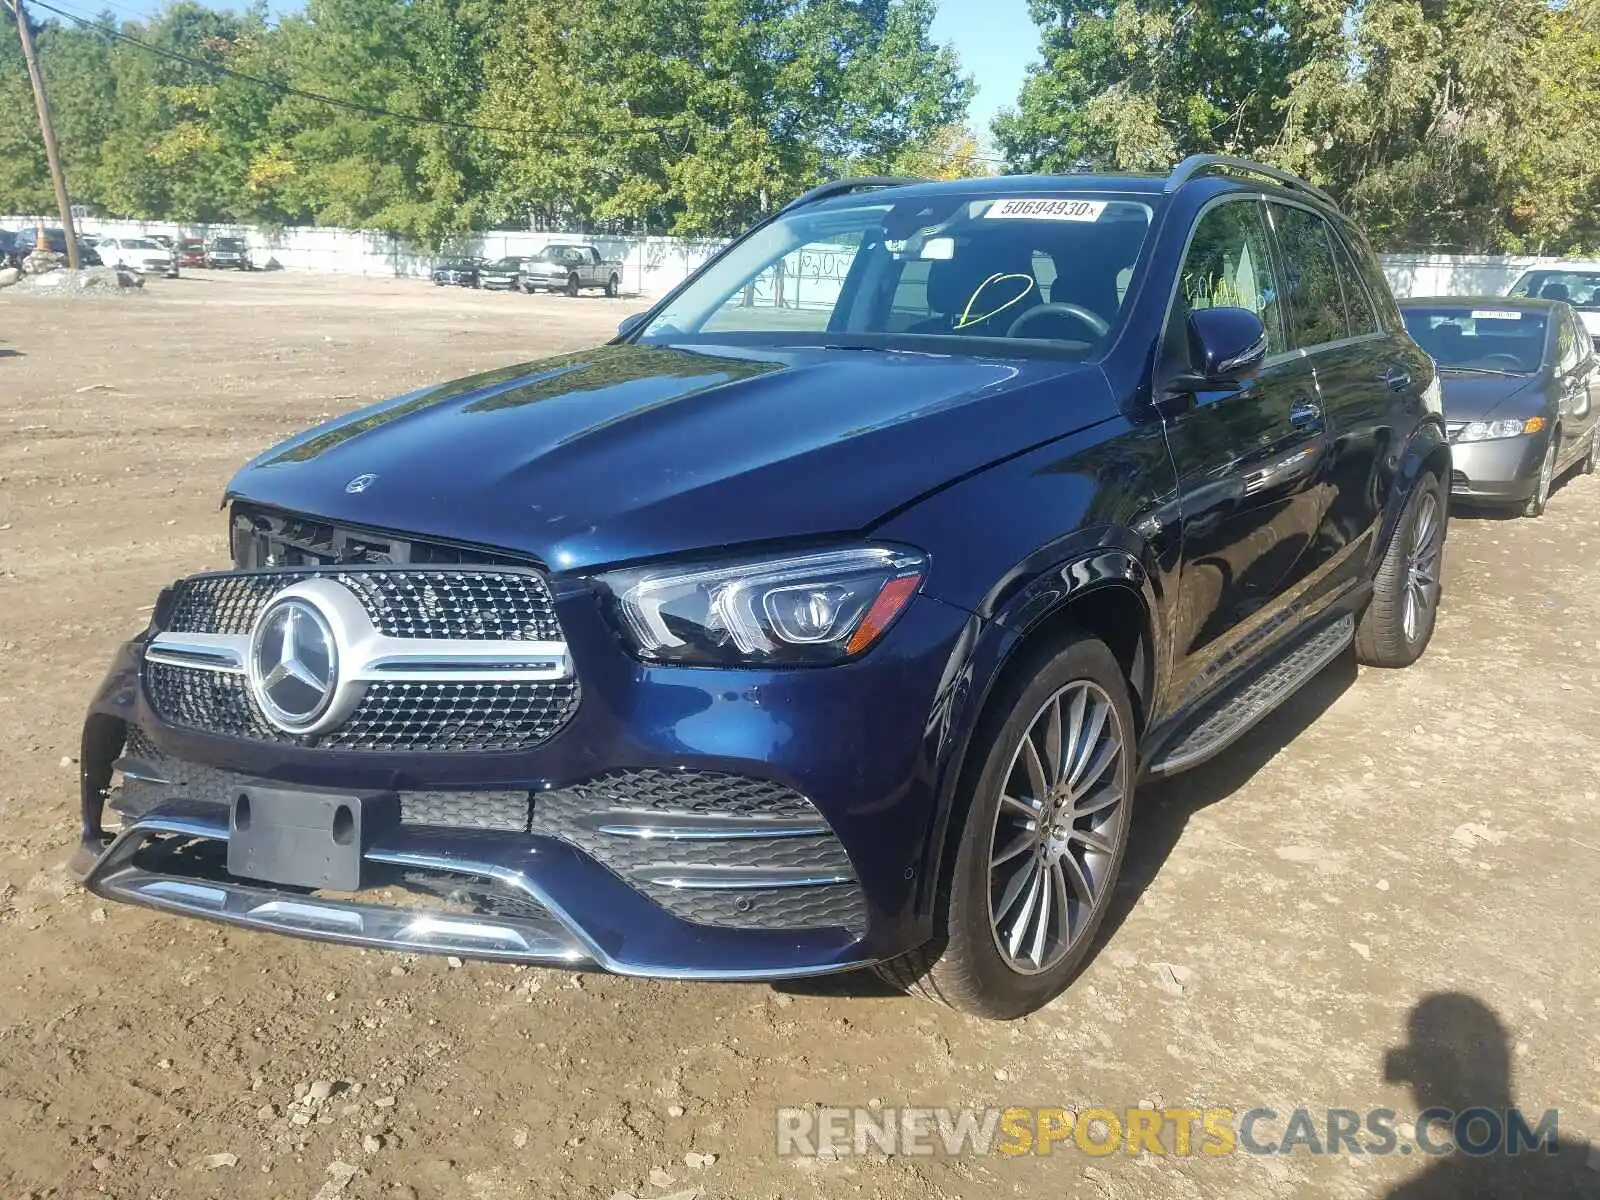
1422, 566
1058, 828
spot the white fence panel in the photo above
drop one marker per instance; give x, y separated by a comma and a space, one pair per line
654, 265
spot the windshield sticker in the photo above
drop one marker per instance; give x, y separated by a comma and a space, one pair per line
1047, 210
1490, 314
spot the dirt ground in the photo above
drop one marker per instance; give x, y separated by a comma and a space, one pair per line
1393, 849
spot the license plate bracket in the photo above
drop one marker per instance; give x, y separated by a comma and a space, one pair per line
309, 839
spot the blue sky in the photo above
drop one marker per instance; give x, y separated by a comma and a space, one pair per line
995, 39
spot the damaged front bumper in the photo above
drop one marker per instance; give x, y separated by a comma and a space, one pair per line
602, 873
478, 895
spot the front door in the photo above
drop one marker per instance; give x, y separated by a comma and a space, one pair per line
1247, 460
1369, 388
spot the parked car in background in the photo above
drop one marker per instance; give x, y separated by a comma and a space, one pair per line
1577, 284
770, 640
459, 272
190, 252
1521, 393
25, 241
570, 268
8, 249
502, 274
140, 254
228, 252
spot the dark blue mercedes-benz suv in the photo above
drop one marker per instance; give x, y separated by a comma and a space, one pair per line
828, 616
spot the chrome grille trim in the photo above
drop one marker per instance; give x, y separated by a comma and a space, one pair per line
428, 658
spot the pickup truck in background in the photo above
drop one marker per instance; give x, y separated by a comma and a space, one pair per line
570, 268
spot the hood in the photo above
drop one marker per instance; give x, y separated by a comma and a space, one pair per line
628, 452
1474, 397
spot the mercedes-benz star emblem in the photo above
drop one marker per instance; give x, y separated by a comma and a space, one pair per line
294, 664
360, 483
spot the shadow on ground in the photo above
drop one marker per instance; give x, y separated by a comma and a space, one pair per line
1457, 1062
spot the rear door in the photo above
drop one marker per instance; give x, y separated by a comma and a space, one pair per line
1246, 459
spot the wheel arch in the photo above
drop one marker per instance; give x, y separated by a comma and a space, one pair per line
1108, 595
1427, 451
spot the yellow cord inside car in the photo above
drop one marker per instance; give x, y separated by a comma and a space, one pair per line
967, 318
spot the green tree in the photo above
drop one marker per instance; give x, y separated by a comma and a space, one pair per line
1139, 83
1423, 115
700, 115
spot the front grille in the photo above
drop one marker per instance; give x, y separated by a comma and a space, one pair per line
456, 716
273, 539
416, 717
489, 605
449, 603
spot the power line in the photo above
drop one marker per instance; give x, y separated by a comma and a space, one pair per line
371, 110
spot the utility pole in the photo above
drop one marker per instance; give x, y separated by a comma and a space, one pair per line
46, 127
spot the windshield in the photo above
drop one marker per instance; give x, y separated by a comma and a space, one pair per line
1045, 271
1480, 339
506, 264
1581, 289
139, 244
229, 244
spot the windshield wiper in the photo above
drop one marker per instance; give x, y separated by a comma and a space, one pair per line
1482, 371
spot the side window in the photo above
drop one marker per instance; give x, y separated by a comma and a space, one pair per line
1566, 343
1316, 306
1228, 264
1359, 317
799, 292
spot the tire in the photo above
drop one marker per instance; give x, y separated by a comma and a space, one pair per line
613, 287
572, 285
1591, 460
1535, 505
977, 962
1398, 623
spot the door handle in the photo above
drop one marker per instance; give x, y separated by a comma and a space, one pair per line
1304, 414
1397, 379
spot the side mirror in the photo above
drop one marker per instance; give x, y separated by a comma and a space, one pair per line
629, 323
1226, 347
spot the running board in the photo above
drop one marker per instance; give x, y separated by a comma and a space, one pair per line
1243, 708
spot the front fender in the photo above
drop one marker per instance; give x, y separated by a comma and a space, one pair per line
1030, 601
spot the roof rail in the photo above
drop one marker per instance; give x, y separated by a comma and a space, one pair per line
1198, 164
843, 187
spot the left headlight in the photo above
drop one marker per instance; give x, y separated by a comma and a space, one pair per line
795, 610
1489, 431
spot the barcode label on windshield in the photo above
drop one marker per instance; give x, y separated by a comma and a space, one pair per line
1048, 210
1495, 314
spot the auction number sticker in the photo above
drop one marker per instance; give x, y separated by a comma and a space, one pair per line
1495, 314
1047, 210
